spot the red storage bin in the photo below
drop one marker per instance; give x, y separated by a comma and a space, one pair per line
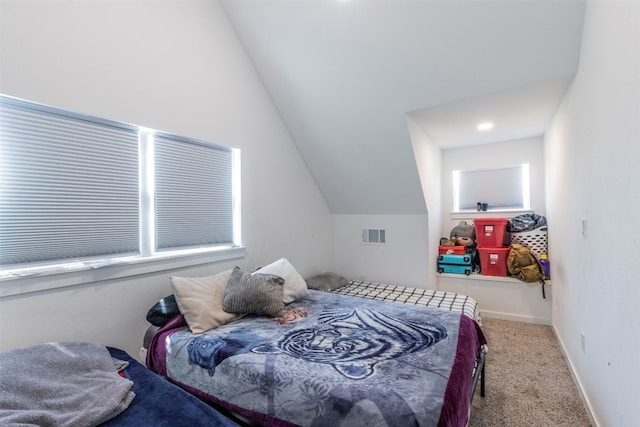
448, 250
491, 232
493, 261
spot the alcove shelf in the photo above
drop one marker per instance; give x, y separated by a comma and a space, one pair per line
502, 297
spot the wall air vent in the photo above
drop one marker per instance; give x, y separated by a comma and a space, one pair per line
373, 236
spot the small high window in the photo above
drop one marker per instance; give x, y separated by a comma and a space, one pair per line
497, 189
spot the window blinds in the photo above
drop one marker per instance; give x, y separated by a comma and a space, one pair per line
68, 185
502, 188
193, 193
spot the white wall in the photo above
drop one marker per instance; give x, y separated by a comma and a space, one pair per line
502, 297
407, 257
429, 160
403, 260
592, 151
176, 66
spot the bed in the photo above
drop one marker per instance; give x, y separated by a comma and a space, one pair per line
361, 354
407, 295
78, 384
157, 401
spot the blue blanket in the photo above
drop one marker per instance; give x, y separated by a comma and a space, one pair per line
159, 403
332, 360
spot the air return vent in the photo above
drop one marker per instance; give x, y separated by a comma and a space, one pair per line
373, 236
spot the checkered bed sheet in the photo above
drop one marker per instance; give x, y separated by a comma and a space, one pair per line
381, 291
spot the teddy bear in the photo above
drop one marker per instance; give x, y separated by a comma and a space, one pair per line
463, 234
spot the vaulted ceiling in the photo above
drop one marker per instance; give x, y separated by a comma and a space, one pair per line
346, 74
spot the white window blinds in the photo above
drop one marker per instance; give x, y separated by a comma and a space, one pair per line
193, 193
500, 188
68, 185
74, 186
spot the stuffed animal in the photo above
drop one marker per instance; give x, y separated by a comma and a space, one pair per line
463, 234
445, 241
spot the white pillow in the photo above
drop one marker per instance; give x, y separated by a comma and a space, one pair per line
294, 285
200, 301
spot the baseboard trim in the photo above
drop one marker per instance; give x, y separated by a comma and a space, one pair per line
515, 317
583, 396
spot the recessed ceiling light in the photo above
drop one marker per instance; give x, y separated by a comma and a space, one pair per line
485, 126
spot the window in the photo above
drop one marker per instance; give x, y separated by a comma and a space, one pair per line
78, 187
193, 194
504, 188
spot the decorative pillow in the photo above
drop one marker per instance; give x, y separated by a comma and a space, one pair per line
326, 281
254, 293
163, 311
200, 301
294, 285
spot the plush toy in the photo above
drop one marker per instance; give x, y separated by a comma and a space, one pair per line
463, 234
445, 241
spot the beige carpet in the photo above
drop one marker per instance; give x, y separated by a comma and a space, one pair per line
528, 382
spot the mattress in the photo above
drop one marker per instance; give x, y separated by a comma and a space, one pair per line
387, 292
334, 360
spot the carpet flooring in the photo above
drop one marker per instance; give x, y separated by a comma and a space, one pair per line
528, 382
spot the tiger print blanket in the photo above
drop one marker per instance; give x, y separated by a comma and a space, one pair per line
334, 360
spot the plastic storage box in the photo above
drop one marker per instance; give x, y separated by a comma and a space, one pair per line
493, 261
491, 232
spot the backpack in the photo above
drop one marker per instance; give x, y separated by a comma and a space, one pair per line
523, 265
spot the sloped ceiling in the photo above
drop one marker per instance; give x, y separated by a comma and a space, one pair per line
344, 75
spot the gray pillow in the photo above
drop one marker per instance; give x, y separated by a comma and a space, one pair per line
326, 282
254, 293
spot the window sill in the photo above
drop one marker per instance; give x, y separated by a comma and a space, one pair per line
476, 276
490, 214
80, 273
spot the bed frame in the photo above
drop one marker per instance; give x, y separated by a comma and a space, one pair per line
479, 374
